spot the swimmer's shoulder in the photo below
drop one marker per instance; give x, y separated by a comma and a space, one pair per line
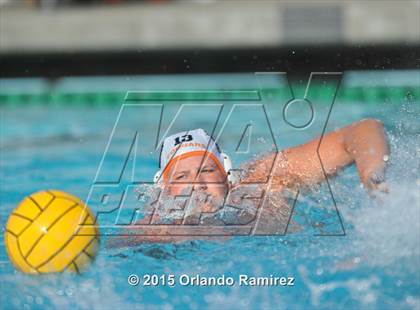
259, 170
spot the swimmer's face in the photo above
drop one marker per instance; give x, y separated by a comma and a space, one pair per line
192, 173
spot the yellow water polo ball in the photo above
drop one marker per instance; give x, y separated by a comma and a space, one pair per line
51, 231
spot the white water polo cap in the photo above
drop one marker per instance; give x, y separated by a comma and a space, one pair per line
189, 143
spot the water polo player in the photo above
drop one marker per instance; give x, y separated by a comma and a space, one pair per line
192, 165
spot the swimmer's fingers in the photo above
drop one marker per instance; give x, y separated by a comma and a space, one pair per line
379, 194
375, 181
383, 187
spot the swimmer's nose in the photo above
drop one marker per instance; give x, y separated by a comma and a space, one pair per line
200, 186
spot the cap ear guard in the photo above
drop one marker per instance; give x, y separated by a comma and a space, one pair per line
227, 164
157, 178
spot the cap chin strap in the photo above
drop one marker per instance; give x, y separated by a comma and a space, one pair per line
227, 164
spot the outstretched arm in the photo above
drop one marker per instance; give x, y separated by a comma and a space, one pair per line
363, 143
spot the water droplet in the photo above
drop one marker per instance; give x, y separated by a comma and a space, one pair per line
39, 300
69, 292
410, 300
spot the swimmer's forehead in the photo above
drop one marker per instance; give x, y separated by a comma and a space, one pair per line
194, 162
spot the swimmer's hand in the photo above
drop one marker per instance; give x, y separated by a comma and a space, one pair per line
366, 144
374, 180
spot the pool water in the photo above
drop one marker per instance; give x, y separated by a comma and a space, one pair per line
374, 265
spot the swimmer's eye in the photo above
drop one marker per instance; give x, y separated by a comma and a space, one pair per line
179, 176
207, 170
